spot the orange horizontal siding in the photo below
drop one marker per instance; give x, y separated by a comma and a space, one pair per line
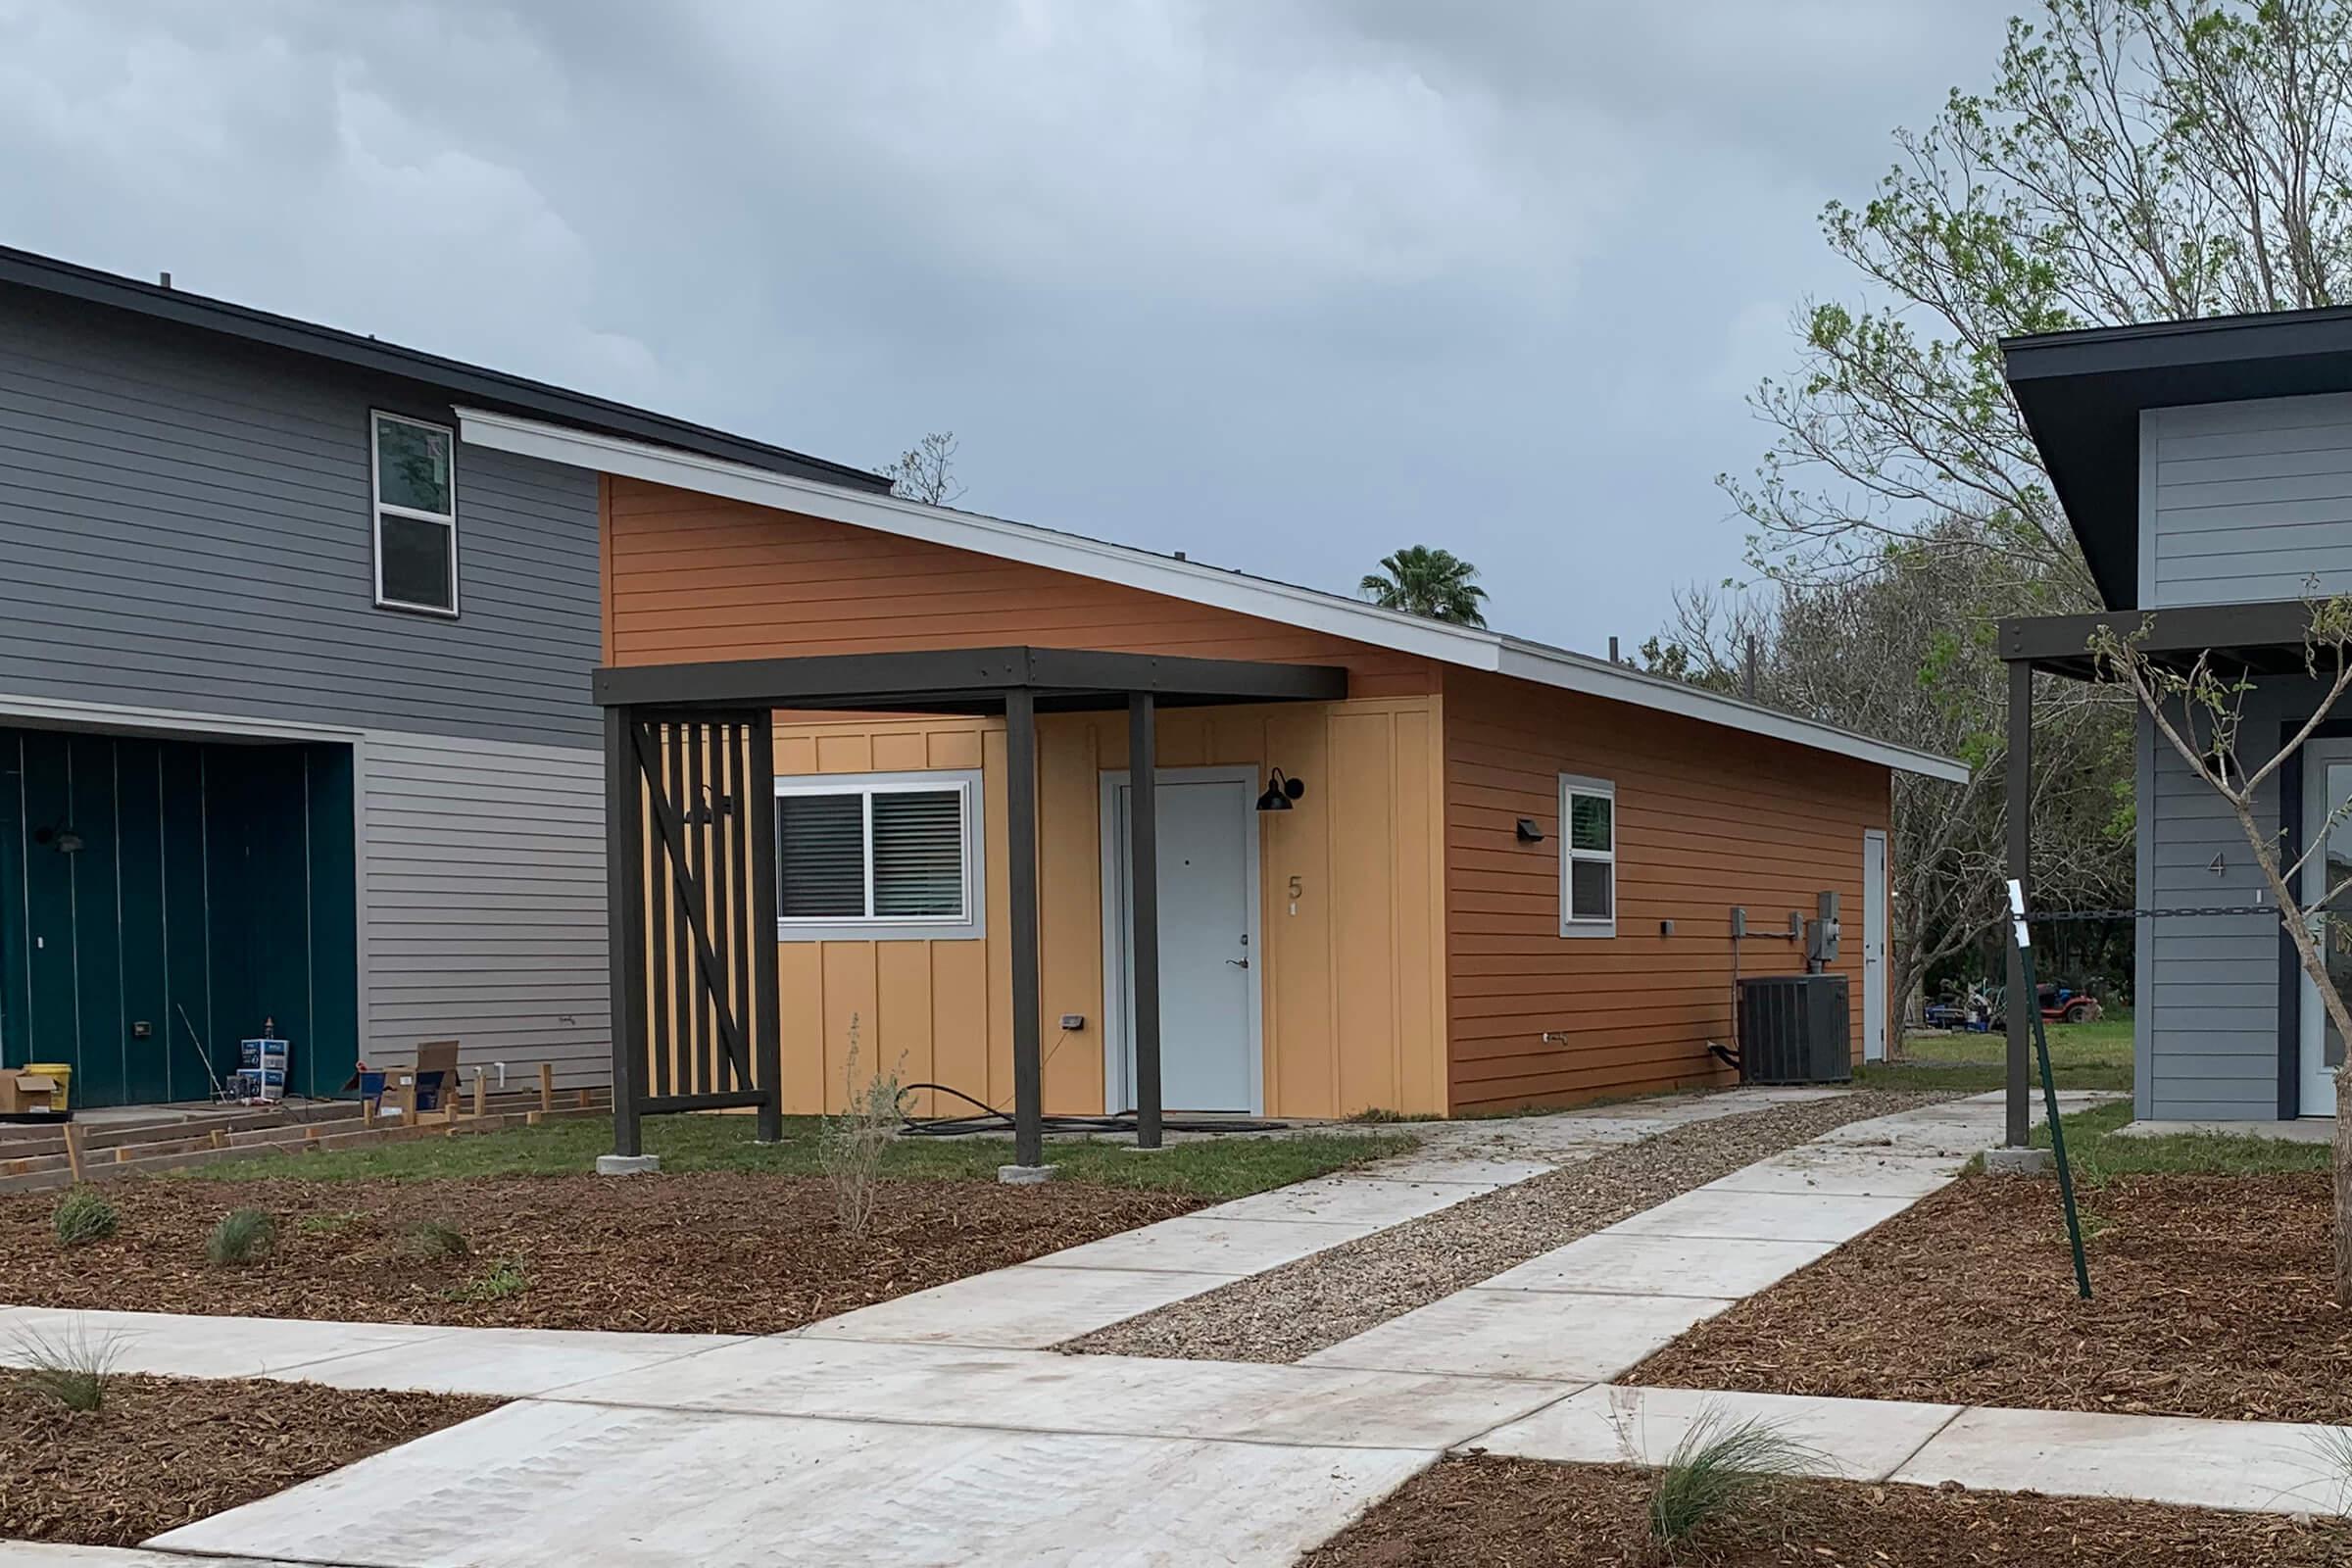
692, 577
1705, 819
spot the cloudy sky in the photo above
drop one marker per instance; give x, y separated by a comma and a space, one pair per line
1284, 283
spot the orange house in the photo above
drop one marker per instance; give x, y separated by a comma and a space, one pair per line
1435, 871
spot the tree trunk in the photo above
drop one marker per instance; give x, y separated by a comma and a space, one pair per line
2343, 1181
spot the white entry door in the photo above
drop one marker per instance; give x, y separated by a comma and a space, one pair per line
1208, 949
1873, 944
2327, 785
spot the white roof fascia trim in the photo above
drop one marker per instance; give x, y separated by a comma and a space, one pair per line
1466, 646
1007, 541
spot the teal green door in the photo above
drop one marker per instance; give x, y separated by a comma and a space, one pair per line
159, 899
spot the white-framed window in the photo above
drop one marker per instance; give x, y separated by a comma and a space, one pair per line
1587, 857
875, 856
413, 471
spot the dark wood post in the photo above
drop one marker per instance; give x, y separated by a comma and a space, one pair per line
2022, 1007
1020, 813
624, 887
1143, 895
767, 1029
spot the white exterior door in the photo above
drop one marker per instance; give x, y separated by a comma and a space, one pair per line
1208, 949
2327, 786
1873, 944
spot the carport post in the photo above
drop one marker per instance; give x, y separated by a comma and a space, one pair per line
1142, 897
624, 887
1020, 813
2022, 1009
768, 1026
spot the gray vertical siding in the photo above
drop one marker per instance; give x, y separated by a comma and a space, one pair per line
483, 867
2206, 1039
2250, 498
186, 523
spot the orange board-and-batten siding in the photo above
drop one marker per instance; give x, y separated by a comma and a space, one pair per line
1706, 819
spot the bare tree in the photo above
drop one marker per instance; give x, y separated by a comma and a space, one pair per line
1879, 652
926, 471
2200, 711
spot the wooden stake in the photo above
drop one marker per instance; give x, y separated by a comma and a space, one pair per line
482, 1092
121, 1153
74, 1151
546, 1086
584, 1101
531, 1118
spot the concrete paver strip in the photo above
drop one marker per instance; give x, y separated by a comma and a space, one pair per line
1860, 1439
539, 1485
173, 1344
1627, 1262
1042, 1391
1023, 1307
1373, 1199
2273, 1466
1490, 1332
1764, 1216
1209, 1243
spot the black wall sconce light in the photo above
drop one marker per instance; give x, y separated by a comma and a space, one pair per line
1281, 791
1530, 831
713, 806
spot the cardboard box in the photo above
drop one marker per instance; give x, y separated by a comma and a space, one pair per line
27, 1094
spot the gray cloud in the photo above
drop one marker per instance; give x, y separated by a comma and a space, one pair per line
1283, 285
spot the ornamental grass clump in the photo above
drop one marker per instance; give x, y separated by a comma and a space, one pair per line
849, 1147
1720, 1467
73, 1369
84, 1216
243, 1236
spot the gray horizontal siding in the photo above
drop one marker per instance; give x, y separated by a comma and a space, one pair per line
2249, 499
186, 523
484, 904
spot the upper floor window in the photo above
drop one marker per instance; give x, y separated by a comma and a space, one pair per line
878, 856
416, 515
1587, 857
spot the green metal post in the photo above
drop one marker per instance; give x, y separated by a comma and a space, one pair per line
2031, 997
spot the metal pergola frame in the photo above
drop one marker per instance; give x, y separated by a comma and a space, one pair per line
691, 703
2265, 638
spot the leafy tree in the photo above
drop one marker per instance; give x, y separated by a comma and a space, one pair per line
1422, 581
2132, 160
926, 471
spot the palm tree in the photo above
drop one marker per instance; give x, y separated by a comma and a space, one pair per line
1421, 581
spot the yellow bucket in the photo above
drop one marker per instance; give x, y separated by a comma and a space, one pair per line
61, 1071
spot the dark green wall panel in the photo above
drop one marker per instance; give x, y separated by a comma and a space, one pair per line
212, 878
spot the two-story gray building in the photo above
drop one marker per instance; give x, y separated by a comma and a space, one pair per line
295, 724
2206, 469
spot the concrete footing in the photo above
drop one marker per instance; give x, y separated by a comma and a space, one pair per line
628, 1164
2007, 1161
1025, 1175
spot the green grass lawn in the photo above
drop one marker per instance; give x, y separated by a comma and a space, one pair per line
2098, 1155
1221, 1167
2082, 1055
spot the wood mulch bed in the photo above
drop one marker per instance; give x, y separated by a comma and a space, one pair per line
711, 1252
1521, 1512
2212, 1296
163, 1452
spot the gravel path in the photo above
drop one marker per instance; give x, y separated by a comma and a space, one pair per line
1309, 1306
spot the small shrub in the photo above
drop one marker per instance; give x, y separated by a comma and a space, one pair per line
243, 1236
1719, 1467
72, 1369
506, 1277
335, 1223
849, 1147
432, 1239
84, 1216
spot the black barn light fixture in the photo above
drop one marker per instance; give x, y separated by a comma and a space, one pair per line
1281, 791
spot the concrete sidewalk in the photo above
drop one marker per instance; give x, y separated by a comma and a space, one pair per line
936, 1429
